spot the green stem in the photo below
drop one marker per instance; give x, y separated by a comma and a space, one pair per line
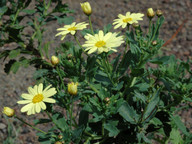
103, 130
91, 25
150, 21
71, 113
93, 136
16, 15
155, 30
107, 68
80, 45
127, 41
30, 125
57, 68
133, 81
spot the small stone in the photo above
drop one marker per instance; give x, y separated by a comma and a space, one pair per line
2, 126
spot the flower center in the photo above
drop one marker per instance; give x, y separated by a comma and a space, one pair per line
100, 44
72, 29
37, 98
126, 20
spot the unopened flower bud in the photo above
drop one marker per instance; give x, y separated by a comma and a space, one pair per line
54, 60
60, 136
159, 13
135, 25
69, 56
150, 13
154, 43
86, 7
8, 111
72, 88
107, 100
58, 142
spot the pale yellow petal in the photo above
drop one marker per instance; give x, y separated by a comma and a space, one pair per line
27, 96
92, 50
49, 92
62, 38
31, 91
47, 88
40, 88
24, 101
49, 100
42, 105
27, 107
37, 108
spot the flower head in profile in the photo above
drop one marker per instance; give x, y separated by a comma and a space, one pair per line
124, 20
8, 111
72, 28
86, 7
36, 98
102, 42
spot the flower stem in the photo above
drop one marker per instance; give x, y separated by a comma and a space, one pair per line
103, 130
30, 125
57, 68
71, 113
127, 41
155, 29
80, 44
91, 25
150, 25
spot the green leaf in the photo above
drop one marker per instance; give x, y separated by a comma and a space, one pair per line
176, 119
14, 53
128, 113
107, 28
152, 106
65, 20
15, 67
41, 121
60, 121
161, 60
140, 96
137, 72
40, 73
83, 117
3, 10
111, 127
29, 11
44, 138
175, 137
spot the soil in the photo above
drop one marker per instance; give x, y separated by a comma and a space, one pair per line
104, 12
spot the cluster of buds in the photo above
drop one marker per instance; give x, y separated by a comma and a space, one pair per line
107, 101
151, 13
86, 7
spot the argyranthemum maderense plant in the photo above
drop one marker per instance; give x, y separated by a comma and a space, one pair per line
102, 42
36, 98
118, 100
125, 20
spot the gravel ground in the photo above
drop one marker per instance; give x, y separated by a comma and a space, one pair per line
104, 11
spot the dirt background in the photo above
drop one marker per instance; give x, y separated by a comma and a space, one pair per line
104, 12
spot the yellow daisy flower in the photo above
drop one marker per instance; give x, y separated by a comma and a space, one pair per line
102, 43
129, 18
36, 98
72, 28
